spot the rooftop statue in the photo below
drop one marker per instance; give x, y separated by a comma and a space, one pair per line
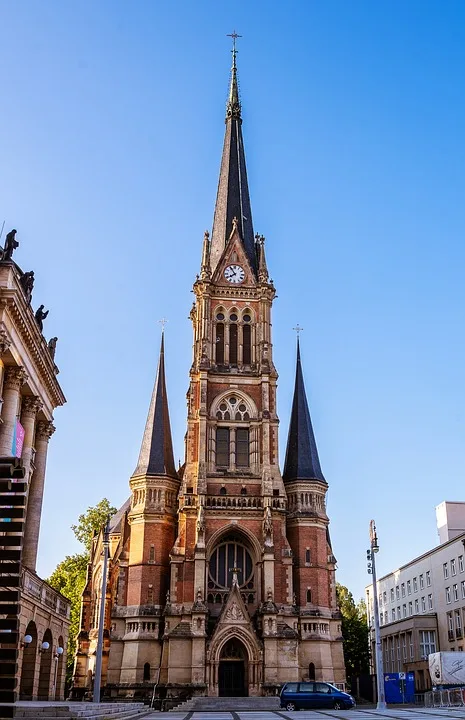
10, 245
27, 283
40, 316
52, 346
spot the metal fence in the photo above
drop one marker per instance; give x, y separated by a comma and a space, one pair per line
453, 697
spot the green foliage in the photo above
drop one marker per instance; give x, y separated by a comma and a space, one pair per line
354, 632
91, 521
69, 576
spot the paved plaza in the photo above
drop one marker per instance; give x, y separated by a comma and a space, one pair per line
363, 714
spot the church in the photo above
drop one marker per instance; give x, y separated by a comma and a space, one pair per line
221, 577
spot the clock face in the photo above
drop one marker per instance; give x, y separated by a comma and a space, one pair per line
234, 274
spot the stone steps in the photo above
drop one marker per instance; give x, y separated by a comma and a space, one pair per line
228, 704
81, 710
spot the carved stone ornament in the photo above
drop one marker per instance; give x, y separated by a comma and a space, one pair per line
31, 405
234, 612
15, 377
5, 341
201, 521
45, 430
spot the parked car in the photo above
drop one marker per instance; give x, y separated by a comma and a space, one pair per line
307, 695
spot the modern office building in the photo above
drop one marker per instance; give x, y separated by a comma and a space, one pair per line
422, 603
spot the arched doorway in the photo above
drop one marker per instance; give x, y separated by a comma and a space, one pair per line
45, 667
26, 686
232, 673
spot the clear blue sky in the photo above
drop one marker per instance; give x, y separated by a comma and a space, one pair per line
354, 119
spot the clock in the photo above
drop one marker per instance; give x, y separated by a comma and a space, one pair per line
234, 274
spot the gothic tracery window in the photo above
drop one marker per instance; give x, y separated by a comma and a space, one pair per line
230, 555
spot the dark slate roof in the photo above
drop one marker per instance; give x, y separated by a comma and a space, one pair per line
115, 520
233, 200
156, 452
302, 462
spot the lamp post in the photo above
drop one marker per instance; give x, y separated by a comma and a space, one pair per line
58, 653
374, 548
101, 621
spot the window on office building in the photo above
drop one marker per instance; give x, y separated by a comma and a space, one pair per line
403, 589
404, 647
423, 604
410, 608
430, 602
422, 581
455, 589
458, 623
417, 606
428, 578
427, 642
461, 568
392, 594
415, 584
448, 597
397, 592
410, 644
445, 569
453, 567
385, 597
393, 614
462, 585
404, 610
409, 587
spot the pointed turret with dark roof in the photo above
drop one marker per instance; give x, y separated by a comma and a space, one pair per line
156, 452
232, 200
302, 461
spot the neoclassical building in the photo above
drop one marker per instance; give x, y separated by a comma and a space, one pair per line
222, 574
29, 394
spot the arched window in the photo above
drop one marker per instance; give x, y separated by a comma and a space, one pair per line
233, 340
309, 595
231, 556
222, 447
219, 354
246, 344
146, 672
311, 671
242, 447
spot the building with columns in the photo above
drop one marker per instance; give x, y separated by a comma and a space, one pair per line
29, 393
222, 574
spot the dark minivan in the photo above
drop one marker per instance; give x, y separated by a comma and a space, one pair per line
307, 695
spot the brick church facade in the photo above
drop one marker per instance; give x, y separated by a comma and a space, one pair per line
221, 573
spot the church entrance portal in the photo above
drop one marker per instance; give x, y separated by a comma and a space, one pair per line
232, 676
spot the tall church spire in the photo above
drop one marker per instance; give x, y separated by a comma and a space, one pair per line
156, 452
232, 200
302, 461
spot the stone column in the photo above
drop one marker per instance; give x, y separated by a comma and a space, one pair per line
15, 377
30, 407
36, 490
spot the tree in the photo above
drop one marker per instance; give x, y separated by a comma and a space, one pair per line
91, 521
354, 632
69, 576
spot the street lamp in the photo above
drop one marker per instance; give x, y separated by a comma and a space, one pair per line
101, 622
58, 653
44, 647
26, 641
374, 548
